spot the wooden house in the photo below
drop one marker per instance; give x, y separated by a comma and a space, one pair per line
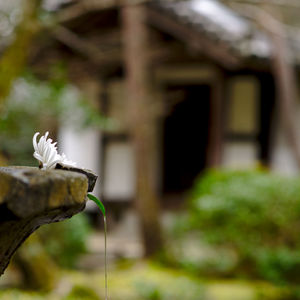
211, 83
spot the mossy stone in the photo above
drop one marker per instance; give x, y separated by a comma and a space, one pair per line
30, 197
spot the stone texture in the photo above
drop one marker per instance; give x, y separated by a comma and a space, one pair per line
30, 197
92, 177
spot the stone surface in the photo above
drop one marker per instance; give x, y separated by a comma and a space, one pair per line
92, 177
30, 197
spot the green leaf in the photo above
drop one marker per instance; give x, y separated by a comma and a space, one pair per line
98, 202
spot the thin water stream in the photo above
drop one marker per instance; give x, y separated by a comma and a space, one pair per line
105, 257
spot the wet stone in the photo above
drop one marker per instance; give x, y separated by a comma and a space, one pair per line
30, 197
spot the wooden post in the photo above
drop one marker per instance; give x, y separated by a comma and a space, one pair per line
284, 76
141, 122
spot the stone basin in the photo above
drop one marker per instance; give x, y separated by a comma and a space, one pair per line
30, 197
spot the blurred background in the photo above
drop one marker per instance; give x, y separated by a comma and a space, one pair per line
189, 112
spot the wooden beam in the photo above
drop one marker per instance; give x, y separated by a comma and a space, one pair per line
112, 54
84, 7
213, 49
85, 48
186, 73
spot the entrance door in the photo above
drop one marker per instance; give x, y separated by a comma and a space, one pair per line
185, 138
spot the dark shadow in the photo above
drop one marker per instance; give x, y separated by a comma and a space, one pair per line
185, 138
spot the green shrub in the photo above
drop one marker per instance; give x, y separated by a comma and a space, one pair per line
253, 214
66, 241
24, 114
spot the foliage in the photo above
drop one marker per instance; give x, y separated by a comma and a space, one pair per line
35, 105
250, 220
98, 202
66, 241
102, 208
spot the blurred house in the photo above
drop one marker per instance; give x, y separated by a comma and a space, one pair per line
210, 73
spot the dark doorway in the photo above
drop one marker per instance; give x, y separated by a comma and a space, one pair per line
185, 137
267, 107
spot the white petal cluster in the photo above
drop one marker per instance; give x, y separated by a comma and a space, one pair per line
46, 153
66, 162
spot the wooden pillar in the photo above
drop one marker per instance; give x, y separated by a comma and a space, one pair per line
141, 122
215, 139
284, 74
286, 88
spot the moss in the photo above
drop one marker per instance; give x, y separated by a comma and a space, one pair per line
20, 295
78, 189
242, 290
81, 292
5, 187
58, 194
39, 271
147, 281
31, 202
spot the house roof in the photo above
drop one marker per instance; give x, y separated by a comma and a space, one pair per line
219, 22
213, 23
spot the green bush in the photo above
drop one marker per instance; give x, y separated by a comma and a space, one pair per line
66, 241
251, 218
35, 105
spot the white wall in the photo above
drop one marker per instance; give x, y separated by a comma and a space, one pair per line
240, 155
243, 112
282, 158
119, 168
84, 148
119, 172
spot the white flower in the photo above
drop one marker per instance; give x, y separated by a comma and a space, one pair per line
46, 153
66, 162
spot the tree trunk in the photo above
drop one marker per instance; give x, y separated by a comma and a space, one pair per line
141, 122
14, 57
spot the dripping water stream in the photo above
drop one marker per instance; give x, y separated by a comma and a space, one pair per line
105, 257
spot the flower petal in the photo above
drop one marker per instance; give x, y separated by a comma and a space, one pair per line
35, 146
